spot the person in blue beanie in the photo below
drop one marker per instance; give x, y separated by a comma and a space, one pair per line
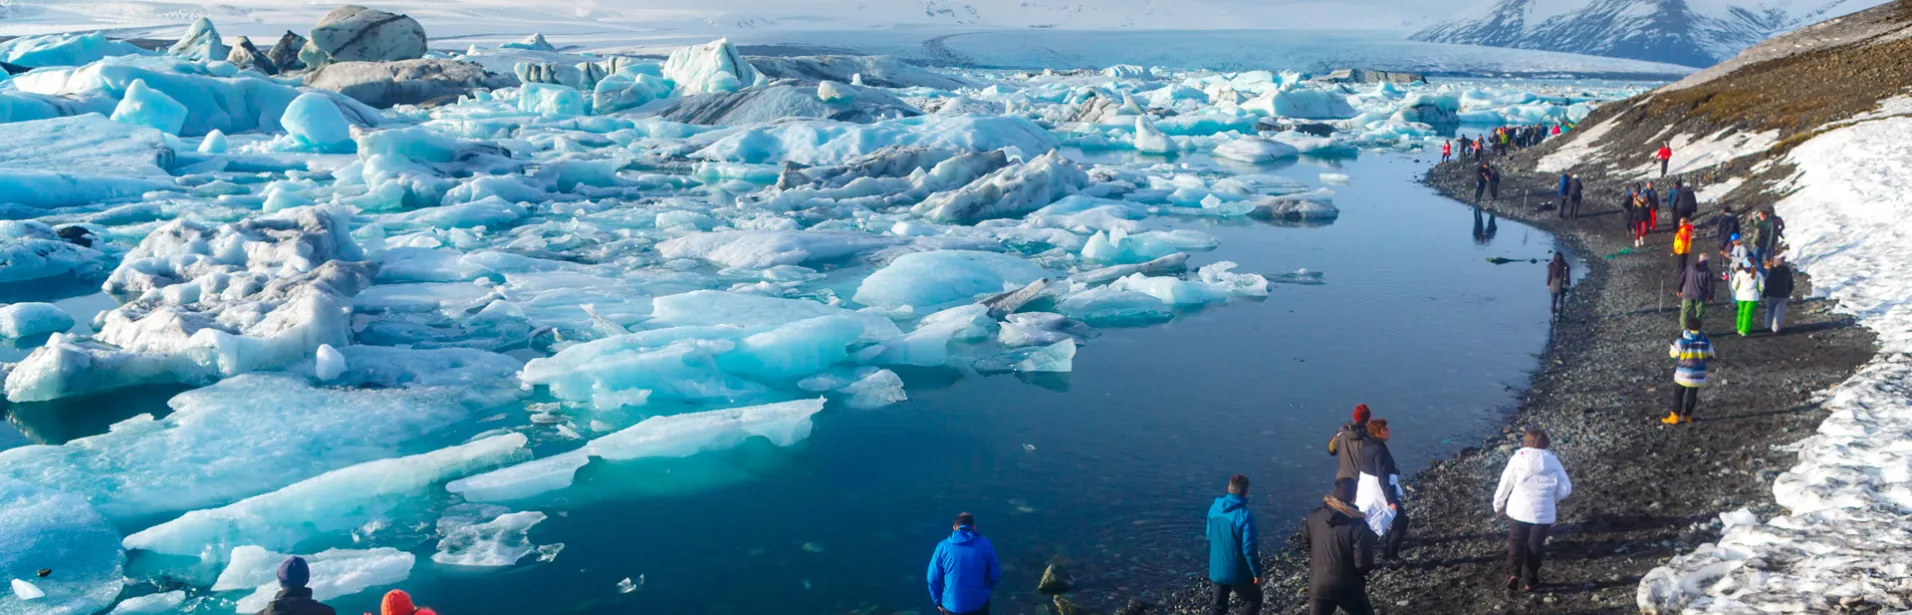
963, 570
294, 597
1234, 552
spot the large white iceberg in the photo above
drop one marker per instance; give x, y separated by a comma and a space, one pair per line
681, 435
931, 280
711, 67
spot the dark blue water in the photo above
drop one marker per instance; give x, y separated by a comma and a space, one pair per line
1110, 468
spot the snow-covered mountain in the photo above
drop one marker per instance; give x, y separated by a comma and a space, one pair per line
1690, 32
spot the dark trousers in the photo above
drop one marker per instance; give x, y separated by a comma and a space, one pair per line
1573, 207
1663, 162
1352, 603
1480, 188
1344, 488
1559, 303
1493, 190
981, 611
1525, 544
1562, 212
1680, 263
1686, 399
1397, 533
1250, 594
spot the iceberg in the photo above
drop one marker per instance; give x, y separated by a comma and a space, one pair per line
43, 528
233, 103
63, 50
764, 249
1255, 150
151, 604
335, 573
818, 143
29, 319
201, 43
1057, 357
358, 34
1103, 306
551, 100
1150, 140
327, 505
937, 279
315, 124
682, 435
500, 541
1011, 191
257, 433
711, 67
716, 308
1302, 104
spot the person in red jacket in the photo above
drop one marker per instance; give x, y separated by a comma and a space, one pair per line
1665, 155
1447, 150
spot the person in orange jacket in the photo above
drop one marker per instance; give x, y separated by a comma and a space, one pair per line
397, 602
1682, 247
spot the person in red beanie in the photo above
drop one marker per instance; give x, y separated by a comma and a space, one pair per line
1346, 447
397, 602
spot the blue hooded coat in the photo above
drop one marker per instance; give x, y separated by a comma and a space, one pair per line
963, 571
1234, 552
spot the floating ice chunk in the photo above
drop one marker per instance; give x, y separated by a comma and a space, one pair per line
763, 249
29, 319
1310, 104
535, 42
1149, 139
229, 101
1103, 306
1120, 247
835, 93
1057, 357
936, 279
90, 143
1255, 150
357, 34
818, 143
711, 67
628, 370
329, 364
1221, 275
1338, 179
928, 345
1035, 328
214, 143
256, 433
43, 528
201, 43
501, 541
794, 350
1011, 191
24, 590
681, 435
315, 124
1125, 71
326, 505
550, 100
151, 604
1172, 291
621, 91
1166, 264
710, 307
335, 573
63, 50
1310, 207
144, 106
877, 389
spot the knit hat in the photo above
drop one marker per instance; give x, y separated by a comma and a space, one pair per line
397, 602
1361, 413
293, 572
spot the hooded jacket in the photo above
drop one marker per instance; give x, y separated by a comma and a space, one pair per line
1234, 549
1346, 447
963, 571
1694, 352
1340, 550
1683, 239
1533, 481
1779, 282
1696, 282
296, 601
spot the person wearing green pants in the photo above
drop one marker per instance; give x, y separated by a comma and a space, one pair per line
1696, 288
1747, 287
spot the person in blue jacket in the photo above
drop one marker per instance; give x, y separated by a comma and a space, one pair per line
1234, 552
963, 570
1566, 190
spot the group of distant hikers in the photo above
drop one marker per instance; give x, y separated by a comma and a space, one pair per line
1501, 141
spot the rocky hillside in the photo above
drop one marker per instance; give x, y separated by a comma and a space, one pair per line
1689, 32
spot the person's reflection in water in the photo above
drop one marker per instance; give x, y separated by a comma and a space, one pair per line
1485, 229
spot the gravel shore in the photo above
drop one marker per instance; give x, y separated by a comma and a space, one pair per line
1643, 491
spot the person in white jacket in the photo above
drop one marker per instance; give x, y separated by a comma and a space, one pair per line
1533, 481
1748, 285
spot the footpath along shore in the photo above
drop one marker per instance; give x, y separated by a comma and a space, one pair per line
1644, 492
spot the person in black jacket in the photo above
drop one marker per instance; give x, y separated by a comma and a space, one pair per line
294, 597
1559, 277
1696, 289
1340, 554
1687, 204
1725, 226
1480, 180
1378, 461
1577, 192
1493, 182
1779, 288
1346, 447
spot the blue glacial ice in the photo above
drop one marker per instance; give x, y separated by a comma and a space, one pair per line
29, 319
63, 49
485, 536
928, 281
314, 123
142, 105
681, 435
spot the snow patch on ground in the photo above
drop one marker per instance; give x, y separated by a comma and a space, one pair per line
1845, 538
1581, 145
1692, 155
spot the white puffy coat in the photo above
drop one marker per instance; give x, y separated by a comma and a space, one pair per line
1533, 481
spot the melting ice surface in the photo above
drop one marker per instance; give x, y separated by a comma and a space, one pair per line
694, 316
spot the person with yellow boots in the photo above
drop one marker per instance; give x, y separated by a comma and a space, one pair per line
1693, 352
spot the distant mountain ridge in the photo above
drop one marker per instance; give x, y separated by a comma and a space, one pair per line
1690, 32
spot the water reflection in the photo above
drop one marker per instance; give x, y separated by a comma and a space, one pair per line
1484, 233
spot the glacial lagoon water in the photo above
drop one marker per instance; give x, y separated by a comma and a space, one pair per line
1109, 468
